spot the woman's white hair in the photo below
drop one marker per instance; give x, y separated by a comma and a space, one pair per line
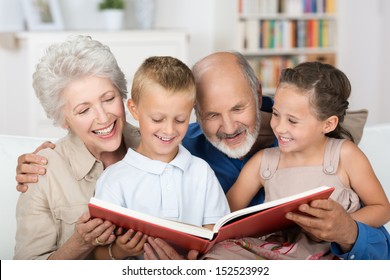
66, 62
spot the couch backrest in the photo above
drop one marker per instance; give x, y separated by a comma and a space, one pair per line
10, 148
375, 144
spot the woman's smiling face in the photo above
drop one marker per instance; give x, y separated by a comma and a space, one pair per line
94, 111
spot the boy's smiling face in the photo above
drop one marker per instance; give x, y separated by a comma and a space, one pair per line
163, 118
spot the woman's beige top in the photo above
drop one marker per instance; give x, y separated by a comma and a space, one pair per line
46, 214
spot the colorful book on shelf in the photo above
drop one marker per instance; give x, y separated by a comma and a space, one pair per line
257, 220
330, 6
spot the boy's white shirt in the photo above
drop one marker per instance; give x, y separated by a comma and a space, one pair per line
185, 189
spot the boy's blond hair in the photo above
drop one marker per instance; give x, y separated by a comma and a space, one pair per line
169, 72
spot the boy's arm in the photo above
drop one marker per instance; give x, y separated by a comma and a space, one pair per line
30, 166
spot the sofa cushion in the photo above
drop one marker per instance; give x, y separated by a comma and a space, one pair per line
375, 144
354, 122
10, 148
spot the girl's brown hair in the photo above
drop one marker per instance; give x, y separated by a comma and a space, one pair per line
328, 89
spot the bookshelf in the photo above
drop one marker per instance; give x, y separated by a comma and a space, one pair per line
275, 34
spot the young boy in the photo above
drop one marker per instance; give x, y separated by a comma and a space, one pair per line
160, 177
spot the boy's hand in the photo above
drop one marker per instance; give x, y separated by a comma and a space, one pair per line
129, 244
30, 166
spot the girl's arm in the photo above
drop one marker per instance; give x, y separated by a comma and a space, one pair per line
247, 184
361, 176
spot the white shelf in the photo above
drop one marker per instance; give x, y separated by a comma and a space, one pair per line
22, 50
292, 51
253, 16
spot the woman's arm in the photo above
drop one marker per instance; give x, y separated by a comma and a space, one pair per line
36, 232
38, 229
88, 234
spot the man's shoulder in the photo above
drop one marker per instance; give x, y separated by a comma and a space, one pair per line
194, 131
267, 104
194, 140
197, 144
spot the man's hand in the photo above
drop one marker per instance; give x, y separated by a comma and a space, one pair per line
158, 249
30, 166
327, 220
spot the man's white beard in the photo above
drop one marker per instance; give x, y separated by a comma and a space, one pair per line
244, 148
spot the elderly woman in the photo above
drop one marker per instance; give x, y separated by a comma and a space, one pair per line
82, 89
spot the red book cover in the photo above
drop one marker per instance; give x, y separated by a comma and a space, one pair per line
249, 222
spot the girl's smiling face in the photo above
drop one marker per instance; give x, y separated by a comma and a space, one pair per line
293, 120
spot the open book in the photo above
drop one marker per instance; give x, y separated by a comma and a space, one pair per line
253, 221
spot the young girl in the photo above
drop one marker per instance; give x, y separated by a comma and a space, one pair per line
310, 103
